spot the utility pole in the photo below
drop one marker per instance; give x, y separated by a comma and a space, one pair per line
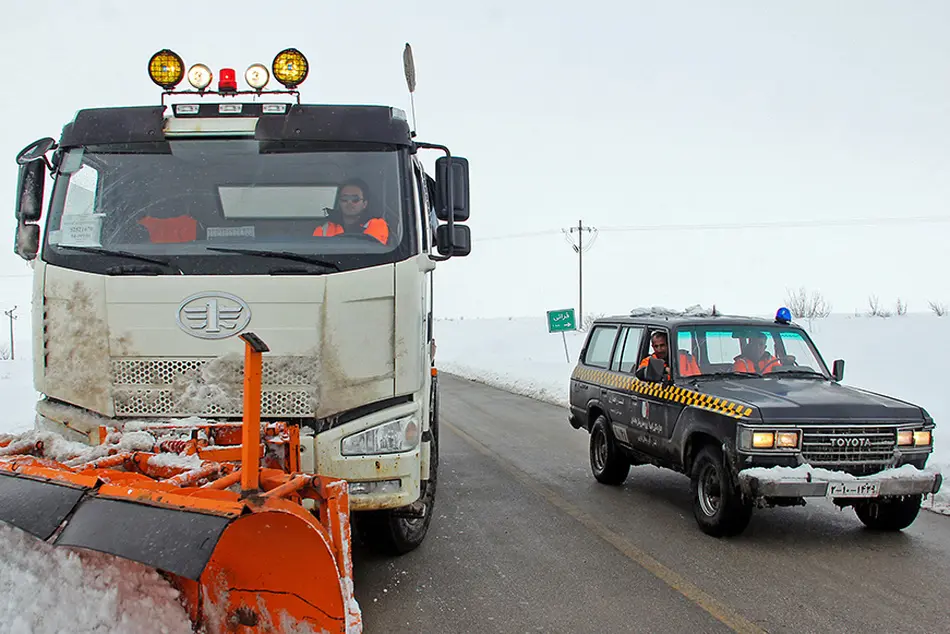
579, 248
9, 313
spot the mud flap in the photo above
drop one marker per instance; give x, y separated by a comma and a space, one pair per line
36, 506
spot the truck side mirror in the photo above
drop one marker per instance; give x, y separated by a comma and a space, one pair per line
29, 199
456, 168
461, 240
838, 369
27, 241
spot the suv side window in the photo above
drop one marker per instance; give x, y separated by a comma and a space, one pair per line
600, 345
628, 350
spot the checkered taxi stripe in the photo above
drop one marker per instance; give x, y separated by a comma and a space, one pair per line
671, 393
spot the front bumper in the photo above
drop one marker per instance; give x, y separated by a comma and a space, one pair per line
802, 481
320, 454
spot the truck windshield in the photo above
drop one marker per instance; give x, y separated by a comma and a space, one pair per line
185, 200
747, 350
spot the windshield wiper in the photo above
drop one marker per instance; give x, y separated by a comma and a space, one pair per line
123, 254
286, 255
134, 269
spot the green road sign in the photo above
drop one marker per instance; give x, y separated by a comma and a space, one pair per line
561, 320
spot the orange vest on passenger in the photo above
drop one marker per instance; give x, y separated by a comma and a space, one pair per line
375, 227
762, 367
177, 229
688, 365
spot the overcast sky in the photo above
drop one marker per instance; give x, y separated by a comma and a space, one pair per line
623, 114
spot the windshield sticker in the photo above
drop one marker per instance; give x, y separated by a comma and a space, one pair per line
80, 230
217, 233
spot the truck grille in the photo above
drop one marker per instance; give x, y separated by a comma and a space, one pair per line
211, 387
858, 450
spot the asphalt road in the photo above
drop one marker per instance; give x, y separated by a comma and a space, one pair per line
525, 540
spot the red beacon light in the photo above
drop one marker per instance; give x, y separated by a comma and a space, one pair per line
227, 81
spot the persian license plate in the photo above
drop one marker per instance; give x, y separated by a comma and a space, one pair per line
854, 489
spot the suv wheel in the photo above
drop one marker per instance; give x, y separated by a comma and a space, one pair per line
608, 465
893, 514
717, 502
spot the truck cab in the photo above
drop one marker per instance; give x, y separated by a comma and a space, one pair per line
173, 228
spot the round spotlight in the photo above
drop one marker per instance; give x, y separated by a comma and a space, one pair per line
200, 76
257, 76
290, 67
166, 69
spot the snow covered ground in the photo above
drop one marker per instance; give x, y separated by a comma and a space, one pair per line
53, 590
900, 356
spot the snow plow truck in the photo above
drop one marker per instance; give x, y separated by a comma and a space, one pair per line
233, 339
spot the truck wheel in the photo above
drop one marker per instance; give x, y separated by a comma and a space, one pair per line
893, 514
717, 502
402, 530
606, 462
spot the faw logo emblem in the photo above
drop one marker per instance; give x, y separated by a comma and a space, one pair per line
851, 442
213, 315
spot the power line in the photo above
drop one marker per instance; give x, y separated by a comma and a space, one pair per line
786, 224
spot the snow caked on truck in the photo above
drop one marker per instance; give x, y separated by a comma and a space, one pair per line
171, 229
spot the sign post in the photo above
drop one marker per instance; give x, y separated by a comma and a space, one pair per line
561, 321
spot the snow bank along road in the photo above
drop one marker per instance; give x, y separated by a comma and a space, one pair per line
525, 540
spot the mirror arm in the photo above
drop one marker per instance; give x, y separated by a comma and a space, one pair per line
450, 194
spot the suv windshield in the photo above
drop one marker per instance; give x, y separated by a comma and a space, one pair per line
747, 350
173, 200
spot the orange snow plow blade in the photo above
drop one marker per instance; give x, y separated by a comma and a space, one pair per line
234, 536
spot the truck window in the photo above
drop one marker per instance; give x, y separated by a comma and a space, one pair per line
600, 345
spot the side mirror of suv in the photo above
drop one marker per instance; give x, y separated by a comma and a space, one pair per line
838, 369
655, 371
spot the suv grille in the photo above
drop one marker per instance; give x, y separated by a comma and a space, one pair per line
857, 450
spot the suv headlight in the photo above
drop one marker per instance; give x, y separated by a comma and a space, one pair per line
777, 438
395, 436
914, 438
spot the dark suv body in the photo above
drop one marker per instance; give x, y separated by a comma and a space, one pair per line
747, 438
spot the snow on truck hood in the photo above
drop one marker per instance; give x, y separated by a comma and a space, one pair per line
122, 346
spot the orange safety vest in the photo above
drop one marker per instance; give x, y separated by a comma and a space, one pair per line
375, 227
688, 365
763, 366
177, 229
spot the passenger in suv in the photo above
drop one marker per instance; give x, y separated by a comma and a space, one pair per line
661, 350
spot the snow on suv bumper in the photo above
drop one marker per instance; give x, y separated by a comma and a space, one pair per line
806, 481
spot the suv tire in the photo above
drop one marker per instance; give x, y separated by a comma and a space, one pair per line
608, 465
718, 506
889, 514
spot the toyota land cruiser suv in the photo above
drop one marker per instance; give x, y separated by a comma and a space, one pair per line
751, 427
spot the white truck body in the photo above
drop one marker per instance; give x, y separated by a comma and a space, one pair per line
172, 229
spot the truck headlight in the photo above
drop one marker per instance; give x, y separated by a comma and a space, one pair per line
395, 436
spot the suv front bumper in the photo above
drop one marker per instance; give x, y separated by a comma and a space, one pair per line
805, 481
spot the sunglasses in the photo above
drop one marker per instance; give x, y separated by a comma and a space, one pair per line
347, 198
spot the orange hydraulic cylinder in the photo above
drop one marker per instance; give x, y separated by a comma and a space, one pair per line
251, 429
